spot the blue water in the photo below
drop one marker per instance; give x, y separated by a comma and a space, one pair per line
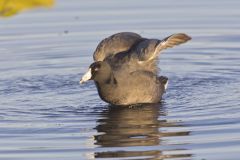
46, 114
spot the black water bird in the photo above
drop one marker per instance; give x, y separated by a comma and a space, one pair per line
125, 69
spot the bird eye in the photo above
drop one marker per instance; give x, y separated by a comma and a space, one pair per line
97, 67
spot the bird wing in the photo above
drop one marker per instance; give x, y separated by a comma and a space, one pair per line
114, 44
149, 49
142, 55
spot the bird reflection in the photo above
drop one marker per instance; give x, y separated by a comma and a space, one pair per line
135, 126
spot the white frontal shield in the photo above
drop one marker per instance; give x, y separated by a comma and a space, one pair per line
87, 76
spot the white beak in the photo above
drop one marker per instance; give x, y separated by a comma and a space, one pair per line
87, 76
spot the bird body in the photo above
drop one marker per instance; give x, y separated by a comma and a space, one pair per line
131, 90
125, 69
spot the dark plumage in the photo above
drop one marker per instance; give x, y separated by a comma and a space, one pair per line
125, 68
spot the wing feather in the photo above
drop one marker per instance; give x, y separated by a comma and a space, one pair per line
150, 48
114, 44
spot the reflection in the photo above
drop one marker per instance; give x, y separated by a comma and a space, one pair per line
130, 128
12, 7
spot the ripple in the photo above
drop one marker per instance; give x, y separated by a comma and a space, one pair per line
46, 114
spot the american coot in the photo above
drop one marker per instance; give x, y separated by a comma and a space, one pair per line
125, 69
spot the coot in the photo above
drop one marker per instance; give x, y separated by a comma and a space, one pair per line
125, 69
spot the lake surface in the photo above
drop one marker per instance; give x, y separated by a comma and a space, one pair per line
46, 114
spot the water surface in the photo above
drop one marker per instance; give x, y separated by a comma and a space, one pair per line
46, 114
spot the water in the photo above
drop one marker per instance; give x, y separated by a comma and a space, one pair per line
46, 114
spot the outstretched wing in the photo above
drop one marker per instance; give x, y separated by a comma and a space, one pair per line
149, 49
114, 44
143, 53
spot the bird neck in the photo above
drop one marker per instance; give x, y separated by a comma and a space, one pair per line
106, 88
